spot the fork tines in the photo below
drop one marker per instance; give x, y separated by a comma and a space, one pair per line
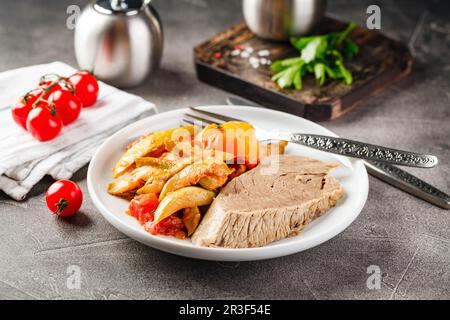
206, 117
214, 115
199, 119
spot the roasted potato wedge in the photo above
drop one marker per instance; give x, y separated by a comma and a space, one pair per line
156, 141
183, 198
272, 148
130, 183
213, 182
152, 186
152, 161
216, 155
147, 161
149, 169
160, 176
192, 174
191, 219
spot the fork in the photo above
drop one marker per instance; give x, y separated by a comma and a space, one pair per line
382, 170
340, 146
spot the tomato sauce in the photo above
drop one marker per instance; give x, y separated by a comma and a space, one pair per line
143, 208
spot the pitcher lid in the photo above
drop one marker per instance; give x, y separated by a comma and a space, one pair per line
127, 7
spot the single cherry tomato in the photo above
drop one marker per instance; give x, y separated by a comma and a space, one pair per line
67, 105
64, 198
20, 111
86, 87
44, 123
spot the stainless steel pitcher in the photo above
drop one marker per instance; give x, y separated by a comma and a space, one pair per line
121, 41
281, 19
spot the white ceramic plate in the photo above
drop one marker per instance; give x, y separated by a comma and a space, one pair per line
352, 175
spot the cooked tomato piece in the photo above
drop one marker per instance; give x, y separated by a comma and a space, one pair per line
173, 226
143, 207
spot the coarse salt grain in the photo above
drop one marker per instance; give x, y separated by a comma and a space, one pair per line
235, 52
245, 54
253, 60
264, 53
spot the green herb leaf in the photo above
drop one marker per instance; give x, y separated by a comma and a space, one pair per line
330, 72
276, 66
291, 61
298, 80
279, 75
344, 73
337, 55
319, 72
344, 34
288, 77
322, 55
301, 43
314, 49
350, 49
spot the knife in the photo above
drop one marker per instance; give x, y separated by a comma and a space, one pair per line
390, 174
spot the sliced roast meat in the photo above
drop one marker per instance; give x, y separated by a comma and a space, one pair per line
271, 202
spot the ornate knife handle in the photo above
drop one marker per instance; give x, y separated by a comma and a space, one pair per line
409, 183
355, 149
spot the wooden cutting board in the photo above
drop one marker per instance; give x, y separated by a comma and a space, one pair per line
220, 62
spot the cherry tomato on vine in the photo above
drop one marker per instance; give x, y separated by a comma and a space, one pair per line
22, 108
20, 111
64, 198
31, 96
67, 105
54, 88
86, 87
44, 123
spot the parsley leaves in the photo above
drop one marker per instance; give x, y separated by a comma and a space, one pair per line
323, 56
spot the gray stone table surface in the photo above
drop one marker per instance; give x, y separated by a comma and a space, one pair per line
407, 238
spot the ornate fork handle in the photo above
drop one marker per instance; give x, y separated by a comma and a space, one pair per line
409, 183
364, 151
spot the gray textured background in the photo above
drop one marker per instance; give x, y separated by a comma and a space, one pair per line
407, 238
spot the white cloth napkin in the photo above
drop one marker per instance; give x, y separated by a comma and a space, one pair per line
24, 161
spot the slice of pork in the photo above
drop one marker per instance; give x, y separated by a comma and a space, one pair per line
260, 206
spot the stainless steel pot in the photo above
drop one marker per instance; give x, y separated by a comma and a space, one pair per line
281, 19
121, 41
